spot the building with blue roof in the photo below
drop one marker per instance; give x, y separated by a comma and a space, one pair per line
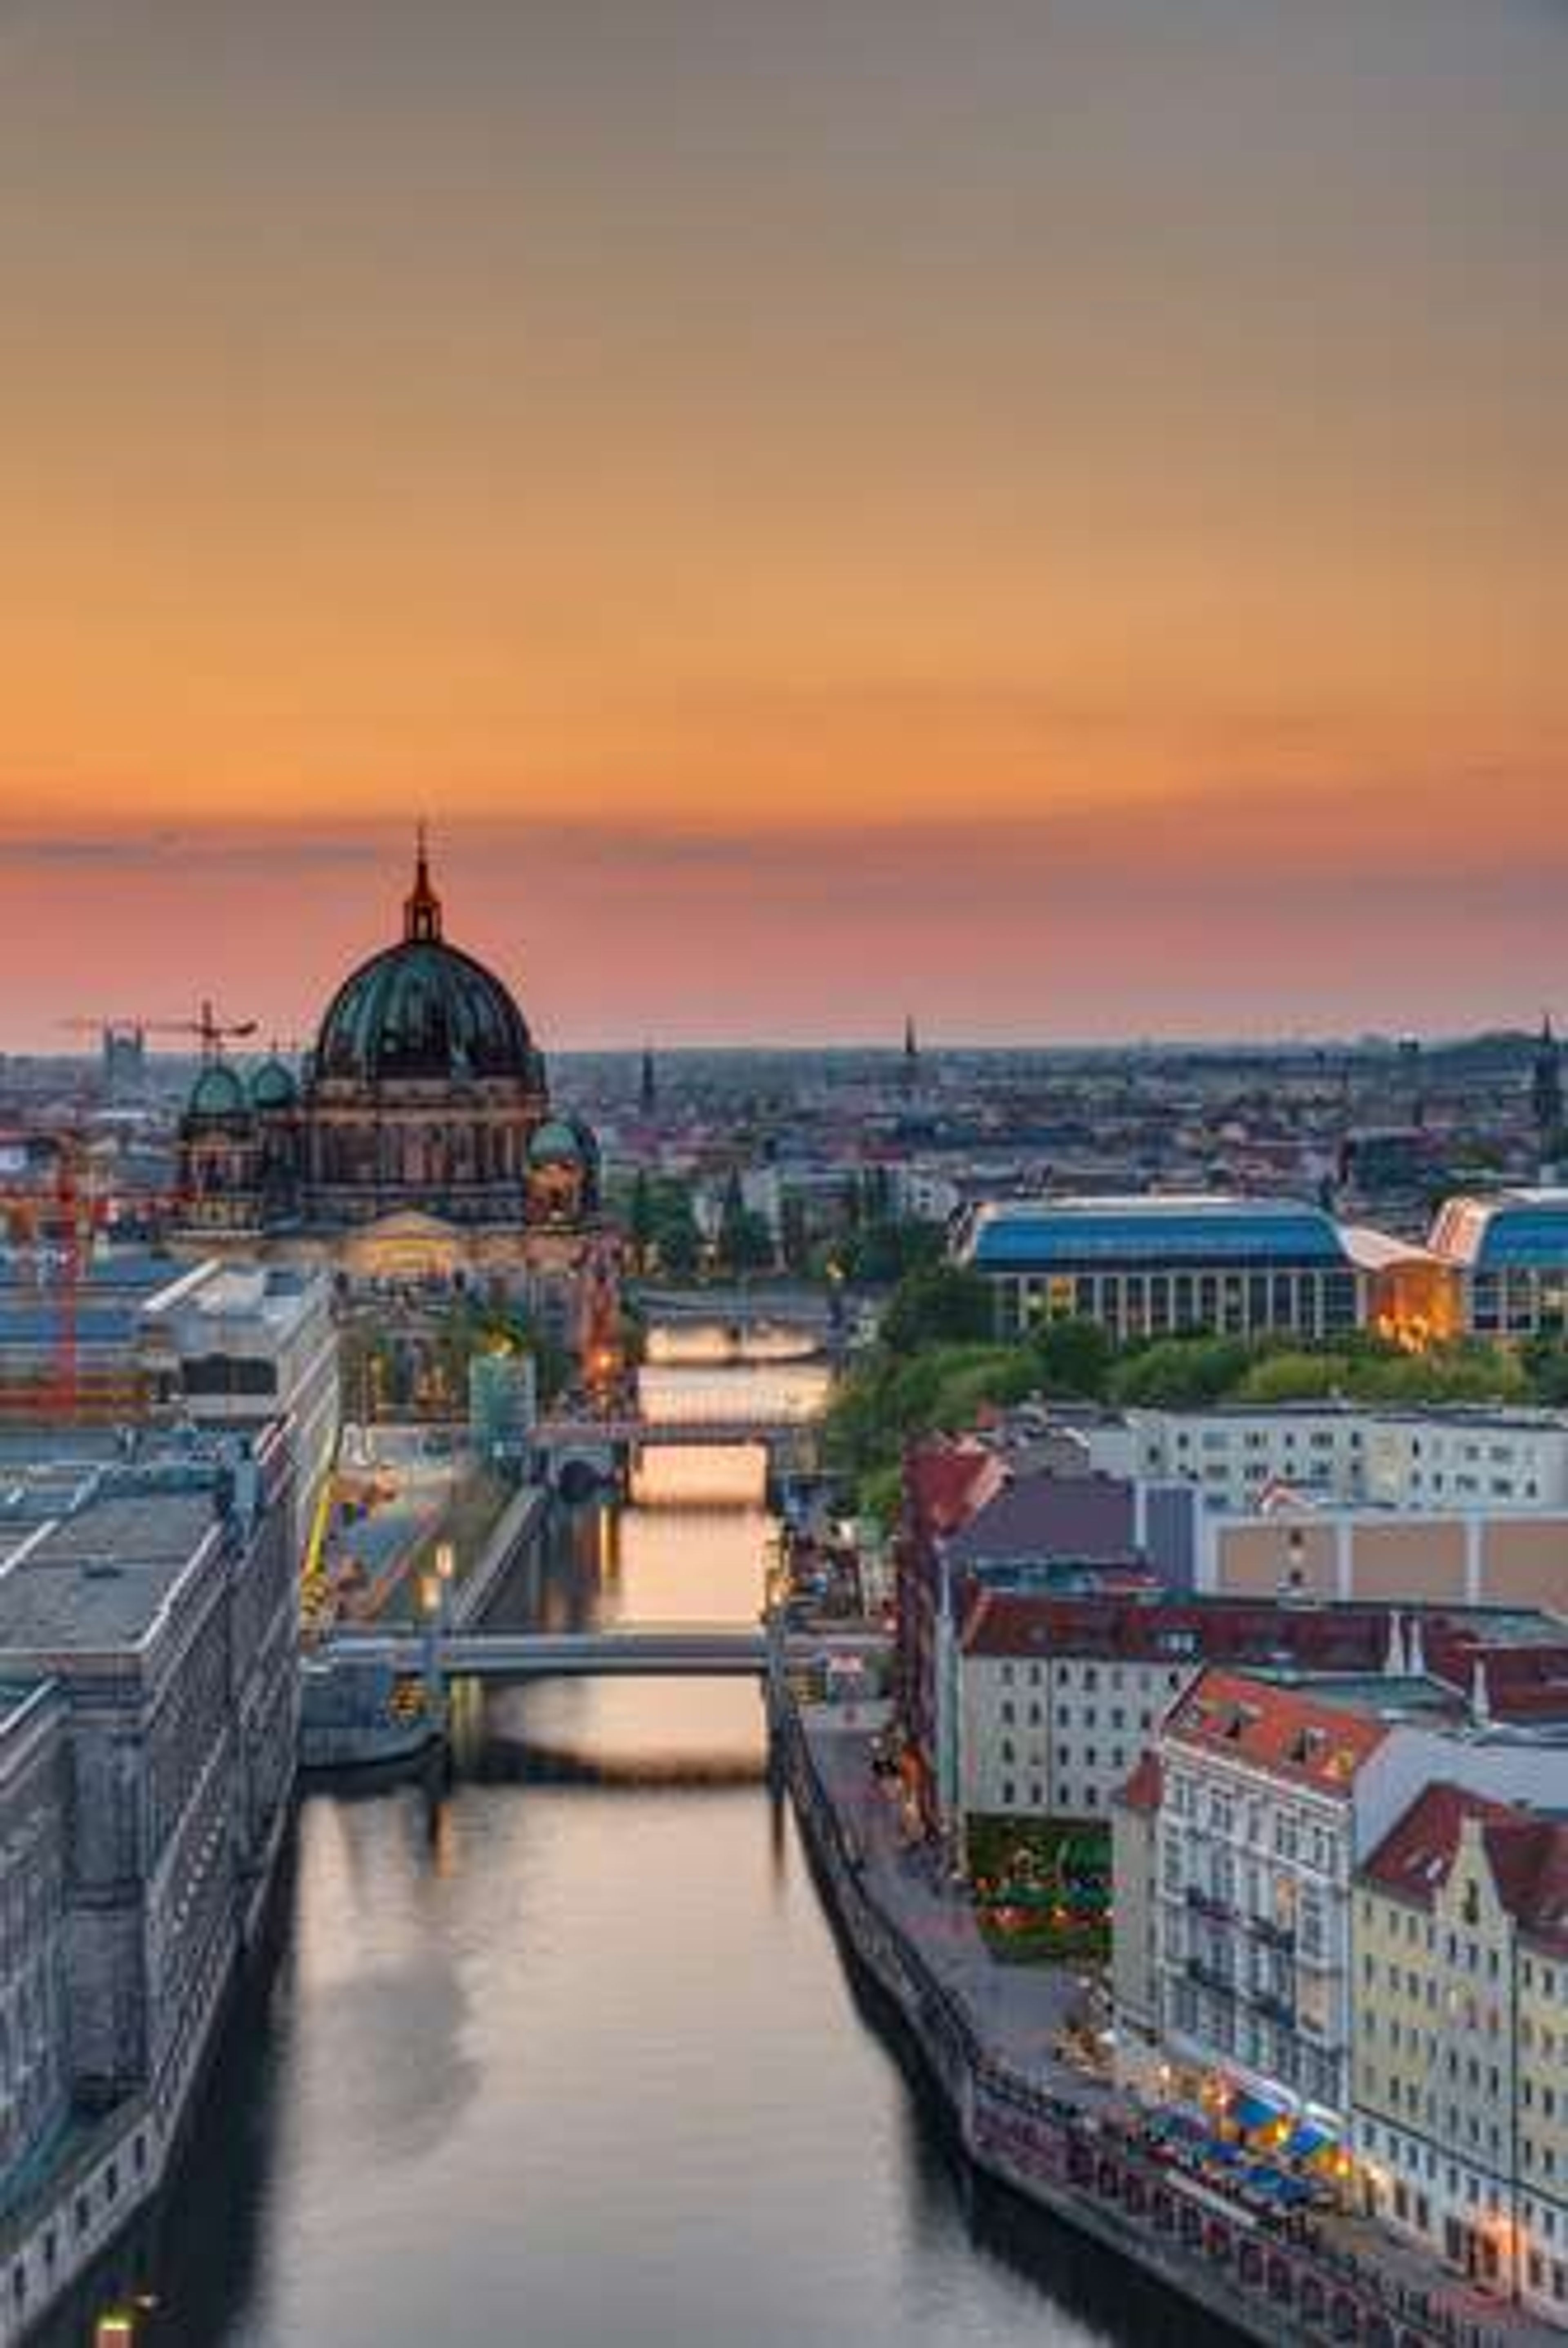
1509, 1253
1155, 1266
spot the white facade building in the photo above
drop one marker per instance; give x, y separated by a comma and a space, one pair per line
1407, 1460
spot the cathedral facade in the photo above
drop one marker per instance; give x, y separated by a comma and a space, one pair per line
417, 1139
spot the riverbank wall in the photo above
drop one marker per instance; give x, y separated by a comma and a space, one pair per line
1074, 2164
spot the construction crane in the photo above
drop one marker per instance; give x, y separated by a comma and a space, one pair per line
214, 1032
51, 1230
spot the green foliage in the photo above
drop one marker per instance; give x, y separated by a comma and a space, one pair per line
1072, 1357
1546, 1366
745, 1239
1180, 1373
878, 1253
663, 1225
937, 1304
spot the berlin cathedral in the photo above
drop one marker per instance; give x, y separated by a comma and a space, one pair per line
417, 1139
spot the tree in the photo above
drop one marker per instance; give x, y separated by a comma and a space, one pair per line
745, 1239
881, 1254
1073, 1356
641, 1218
939, 1303
1180, 1373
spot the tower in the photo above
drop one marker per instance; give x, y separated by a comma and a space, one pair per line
910, 1074
648, 1084
1546, 1089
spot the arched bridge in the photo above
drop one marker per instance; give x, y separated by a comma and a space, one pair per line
607, 1447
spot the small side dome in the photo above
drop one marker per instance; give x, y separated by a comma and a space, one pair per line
273, 1087
217, 1092
556, 1143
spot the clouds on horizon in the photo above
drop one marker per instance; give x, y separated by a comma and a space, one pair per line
1240, 913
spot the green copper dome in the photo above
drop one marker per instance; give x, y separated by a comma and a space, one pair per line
272, 1087
217, 1092
423, 1010
556, 1143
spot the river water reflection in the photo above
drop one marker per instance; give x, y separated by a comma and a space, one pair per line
563, 2052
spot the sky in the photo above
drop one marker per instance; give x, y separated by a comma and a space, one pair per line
1045, 513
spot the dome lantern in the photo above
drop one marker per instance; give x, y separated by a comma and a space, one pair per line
422, 906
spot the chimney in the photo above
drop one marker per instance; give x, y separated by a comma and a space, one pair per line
1394, 1661
1418, 1657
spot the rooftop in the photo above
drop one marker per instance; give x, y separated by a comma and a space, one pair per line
99, 1579
1034, 1519
1520, 1227
1037, 1233
1526, 1850
1283, 1730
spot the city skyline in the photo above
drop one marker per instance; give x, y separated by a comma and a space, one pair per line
1027, 517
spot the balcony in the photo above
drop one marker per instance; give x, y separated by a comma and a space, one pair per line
1211, 1977
1207, 1903
1273, 2008
1272, 1935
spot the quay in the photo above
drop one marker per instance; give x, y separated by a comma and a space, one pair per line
985, 2035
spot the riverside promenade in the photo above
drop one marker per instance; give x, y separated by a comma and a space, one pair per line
987, 2033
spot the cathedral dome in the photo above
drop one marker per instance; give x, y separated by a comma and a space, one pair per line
272, 1087
556, 1143
217, 1092
423, 1010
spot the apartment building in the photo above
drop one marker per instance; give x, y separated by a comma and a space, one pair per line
1461, 2033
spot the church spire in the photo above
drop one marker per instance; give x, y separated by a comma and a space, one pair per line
422, 906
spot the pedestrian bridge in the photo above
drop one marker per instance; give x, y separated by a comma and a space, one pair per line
584, 1449
640, 1651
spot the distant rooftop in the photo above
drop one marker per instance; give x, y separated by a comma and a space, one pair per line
1036, 1234
1518, 1227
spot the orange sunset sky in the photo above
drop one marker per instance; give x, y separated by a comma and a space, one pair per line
1051, 512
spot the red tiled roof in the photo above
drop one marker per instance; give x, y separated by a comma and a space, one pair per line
1524, 1681
944, 1483
1527, 1853
1169, 1628
1307, 1738
1144, 1786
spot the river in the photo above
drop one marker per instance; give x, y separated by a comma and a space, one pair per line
563, 2051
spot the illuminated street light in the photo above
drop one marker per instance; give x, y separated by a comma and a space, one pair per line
446, 1560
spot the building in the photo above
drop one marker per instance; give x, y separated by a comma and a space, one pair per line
34, 2068
418, 1141
1421, 1460
1462, 2050
1059, 1697
70, 1340
1156, 1266
1258, 1830
1135, 1922
148, 1650
1463, 1553
1274, 1791
233, 1348
1508, 1253
979, 1514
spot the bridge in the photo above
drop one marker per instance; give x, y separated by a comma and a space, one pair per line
640, 1651
582, 1447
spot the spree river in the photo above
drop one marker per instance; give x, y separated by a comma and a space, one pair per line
562, 2051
